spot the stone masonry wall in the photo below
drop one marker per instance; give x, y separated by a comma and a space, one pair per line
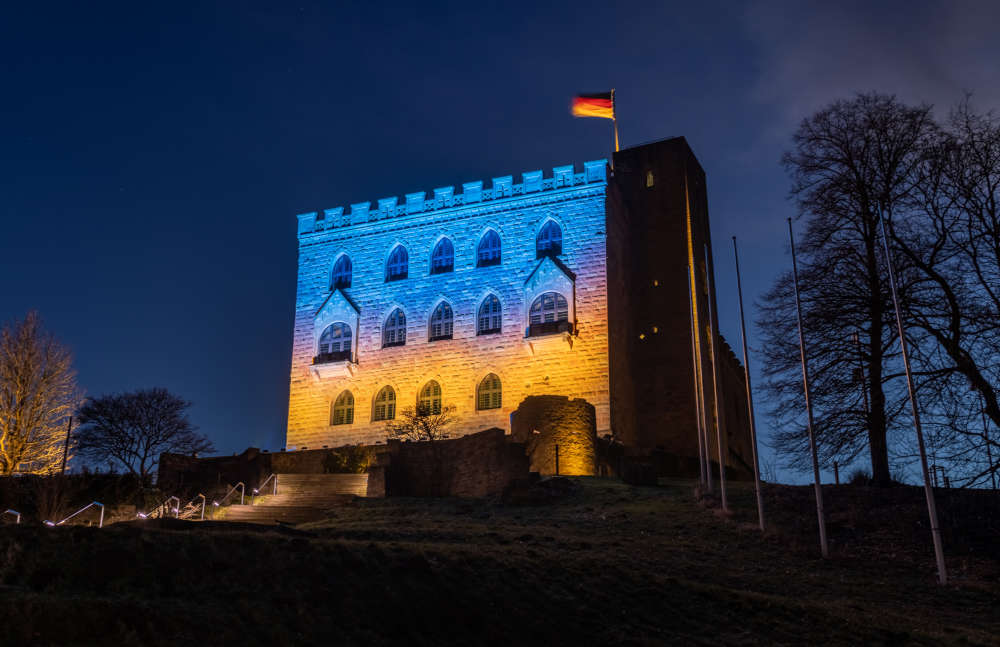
543, 423
575, 366
475, 465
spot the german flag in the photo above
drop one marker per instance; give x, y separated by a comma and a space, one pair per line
594, 105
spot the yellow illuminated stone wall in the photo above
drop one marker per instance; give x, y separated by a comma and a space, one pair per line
575, 365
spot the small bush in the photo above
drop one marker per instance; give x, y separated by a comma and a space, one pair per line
859, 476
352, 459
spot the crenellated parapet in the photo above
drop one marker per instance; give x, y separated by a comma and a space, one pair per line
473, 193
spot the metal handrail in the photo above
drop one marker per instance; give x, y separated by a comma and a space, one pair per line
274, 487
217, 504
159, 508
203, 499
100, 523
15, 513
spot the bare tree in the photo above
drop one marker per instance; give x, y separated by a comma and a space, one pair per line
38, 393
421, 424
133, 429
851, 161
948, 234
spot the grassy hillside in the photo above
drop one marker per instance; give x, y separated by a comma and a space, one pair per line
599, 563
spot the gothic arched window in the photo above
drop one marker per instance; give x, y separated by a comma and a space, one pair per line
341, 276
429, 400
443, 257
549, 307
442, 322
488, 321
549, 313
343, 409
394, 330
488, 393
549, 240
398, 265
335, 343
385, 404
488, 252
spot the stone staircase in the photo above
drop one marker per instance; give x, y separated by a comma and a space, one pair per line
300, 498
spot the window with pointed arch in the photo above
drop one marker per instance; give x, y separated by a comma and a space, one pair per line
488, 393
342, 412
429, 399
443, 257
334, 343
398, 265
341, 276
488, 320
385, 404
394, 330
442, 323
549, 313
488, 252
549, 240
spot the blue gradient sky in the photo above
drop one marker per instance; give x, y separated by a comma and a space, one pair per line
153, 157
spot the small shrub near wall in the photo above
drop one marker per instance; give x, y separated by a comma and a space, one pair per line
350, 459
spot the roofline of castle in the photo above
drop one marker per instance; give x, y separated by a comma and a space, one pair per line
473, 194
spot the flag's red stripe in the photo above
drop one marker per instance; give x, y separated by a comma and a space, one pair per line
580, 102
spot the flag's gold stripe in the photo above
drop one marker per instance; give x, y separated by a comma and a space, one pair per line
584, 110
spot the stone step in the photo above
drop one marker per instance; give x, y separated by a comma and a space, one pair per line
272, 514
300, 498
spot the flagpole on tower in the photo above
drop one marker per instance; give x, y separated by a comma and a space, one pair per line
614, 117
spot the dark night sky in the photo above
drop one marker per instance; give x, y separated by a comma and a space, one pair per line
153, 158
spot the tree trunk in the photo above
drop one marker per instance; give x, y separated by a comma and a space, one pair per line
877, 441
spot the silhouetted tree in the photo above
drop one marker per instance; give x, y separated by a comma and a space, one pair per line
849, 161
38, 393
947, 232
133, 429
420, 424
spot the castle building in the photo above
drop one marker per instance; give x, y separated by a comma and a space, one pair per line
590, 283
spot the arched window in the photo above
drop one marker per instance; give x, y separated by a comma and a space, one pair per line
488, 393
489, 249
334, 343
443, 257
343, 409
441, 323
429, 400
341, 276
488, 321
550, 306
385, 404
549, 313
398, 265
549, 240
394, 330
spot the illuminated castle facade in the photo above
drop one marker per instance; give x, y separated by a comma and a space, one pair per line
480, 298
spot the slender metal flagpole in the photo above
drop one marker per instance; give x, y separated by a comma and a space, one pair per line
720, 435
614, 117
986, 437
69, 428
706, 476
928, 491
699, 361
824, 548
746, 373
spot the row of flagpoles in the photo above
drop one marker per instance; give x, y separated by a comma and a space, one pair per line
602, 105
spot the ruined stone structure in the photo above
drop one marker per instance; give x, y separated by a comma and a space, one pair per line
574, 285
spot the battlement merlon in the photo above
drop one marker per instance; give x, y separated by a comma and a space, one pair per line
473, 193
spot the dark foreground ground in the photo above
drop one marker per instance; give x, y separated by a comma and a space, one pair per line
593, 563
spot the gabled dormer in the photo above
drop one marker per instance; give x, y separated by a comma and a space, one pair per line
335, 336
550, 305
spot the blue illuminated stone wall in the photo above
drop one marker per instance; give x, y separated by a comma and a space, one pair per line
573, 365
